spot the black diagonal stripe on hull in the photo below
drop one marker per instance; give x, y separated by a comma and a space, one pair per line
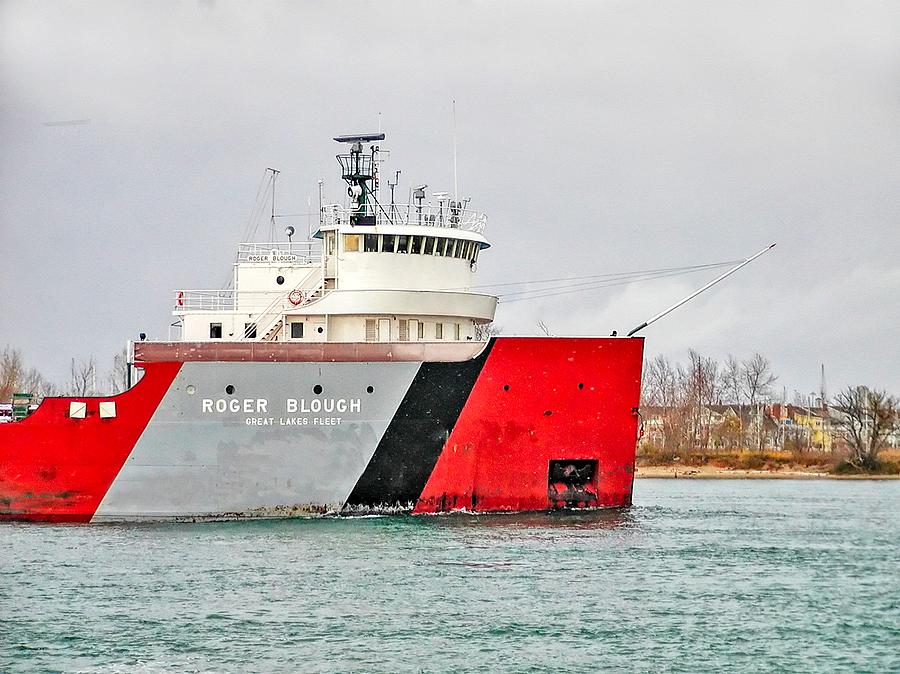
412, 443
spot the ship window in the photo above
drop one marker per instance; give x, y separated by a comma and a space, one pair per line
429, 245
461, 249
402, 243
421, 330
475, 256
439, 245
456, 331
215, 331
371, 243
451, 247
297, 328
438, 330
370, 329
279, 280
329, 243
415, 244
387, 245
403, 330
249, 330
351, 243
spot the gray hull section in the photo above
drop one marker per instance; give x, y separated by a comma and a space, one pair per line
274, 445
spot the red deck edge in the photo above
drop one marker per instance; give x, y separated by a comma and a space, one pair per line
286, 352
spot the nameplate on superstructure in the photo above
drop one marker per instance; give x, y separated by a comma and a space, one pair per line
274, 256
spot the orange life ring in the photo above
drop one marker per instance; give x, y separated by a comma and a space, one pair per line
180, 297
296, 297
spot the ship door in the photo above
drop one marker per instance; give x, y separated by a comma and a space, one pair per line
384, 329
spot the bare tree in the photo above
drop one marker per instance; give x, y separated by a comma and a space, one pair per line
867, 417
733, 391
11, 371
84, 378
702, 381
664, 387
732, 380
484, 331
118, 378
757, 377
15, 378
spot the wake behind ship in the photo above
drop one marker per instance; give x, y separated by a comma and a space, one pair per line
350, 373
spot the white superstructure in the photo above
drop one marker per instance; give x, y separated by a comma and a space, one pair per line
374, 272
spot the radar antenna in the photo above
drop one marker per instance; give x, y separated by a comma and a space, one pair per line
359, 171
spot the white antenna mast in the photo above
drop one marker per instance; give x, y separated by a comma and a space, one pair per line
455, 181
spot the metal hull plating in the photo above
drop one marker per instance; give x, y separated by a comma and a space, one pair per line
528, 424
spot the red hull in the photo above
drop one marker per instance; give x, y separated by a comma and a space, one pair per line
574, 403
481, 435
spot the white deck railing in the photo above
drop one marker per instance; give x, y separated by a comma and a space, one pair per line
407, 214
301, 253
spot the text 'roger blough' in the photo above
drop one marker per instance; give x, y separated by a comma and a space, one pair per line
291, 405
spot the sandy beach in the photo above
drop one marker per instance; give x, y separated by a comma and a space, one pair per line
715, 473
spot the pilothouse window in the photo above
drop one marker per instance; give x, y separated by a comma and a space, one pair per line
387, 244
351, 243
215, 331
371, 243
402, 243
429, 245
415, 244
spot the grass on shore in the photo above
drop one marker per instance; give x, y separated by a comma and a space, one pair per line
766, 460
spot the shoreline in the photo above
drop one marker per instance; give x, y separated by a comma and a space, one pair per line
716, 473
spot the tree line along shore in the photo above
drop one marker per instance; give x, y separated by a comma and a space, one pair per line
707, 418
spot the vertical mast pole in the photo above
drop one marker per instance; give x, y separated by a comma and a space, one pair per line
455, 181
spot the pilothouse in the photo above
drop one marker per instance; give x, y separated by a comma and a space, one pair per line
373, 271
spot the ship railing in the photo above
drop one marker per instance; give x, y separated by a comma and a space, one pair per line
442, 215
302, 253
249, 301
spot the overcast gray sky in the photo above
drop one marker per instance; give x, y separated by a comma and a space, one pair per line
597, 136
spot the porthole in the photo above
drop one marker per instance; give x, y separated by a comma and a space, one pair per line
547, 413
370, 389
506, 387
320, 329
580, 386
317, 389
190, 390
229, 389
280, 280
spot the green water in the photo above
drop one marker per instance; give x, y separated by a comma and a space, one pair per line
699, 576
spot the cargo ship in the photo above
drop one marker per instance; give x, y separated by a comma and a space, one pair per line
350, 373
